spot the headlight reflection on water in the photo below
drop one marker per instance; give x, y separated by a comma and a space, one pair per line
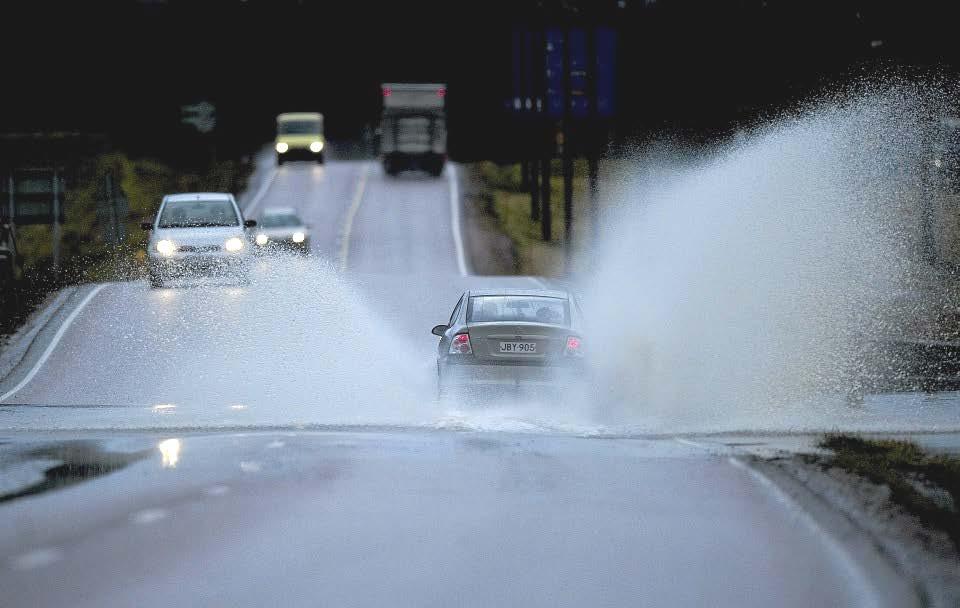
166, 247
169, 452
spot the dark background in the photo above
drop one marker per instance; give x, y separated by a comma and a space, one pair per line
695, 67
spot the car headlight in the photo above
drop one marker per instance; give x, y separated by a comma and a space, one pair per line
233, 244
298, 237
262, 239
316, 146
166, 247
282, 147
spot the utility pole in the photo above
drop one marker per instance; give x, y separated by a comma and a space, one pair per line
13, 210
537, 76
567, 155
595, 141
546, 216
56, 224
534, 185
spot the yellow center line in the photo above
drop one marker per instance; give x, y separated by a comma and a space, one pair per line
351, 213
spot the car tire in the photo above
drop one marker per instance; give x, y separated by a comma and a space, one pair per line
442, 391
320, 159
279, 159
155, 281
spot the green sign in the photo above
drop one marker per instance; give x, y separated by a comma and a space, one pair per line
34, 193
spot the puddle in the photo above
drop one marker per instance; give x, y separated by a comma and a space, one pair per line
77, 461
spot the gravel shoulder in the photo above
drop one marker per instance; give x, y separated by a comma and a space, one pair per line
925, 557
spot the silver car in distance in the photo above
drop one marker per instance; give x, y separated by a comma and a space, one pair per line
510, 338
200, 233
281, 229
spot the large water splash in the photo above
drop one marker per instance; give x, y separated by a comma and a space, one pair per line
738, 287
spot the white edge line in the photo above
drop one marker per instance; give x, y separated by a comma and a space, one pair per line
39, 324
261, 192
864, 588
53, 343
455, 219
351, 213
695, 444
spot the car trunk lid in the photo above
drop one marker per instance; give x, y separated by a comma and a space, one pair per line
517, 342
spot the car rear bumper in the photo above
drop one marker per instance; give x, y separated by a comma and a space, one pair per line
509, 375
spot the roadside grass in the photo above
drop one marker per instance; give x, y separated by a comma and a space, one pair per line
925, 485
503, 185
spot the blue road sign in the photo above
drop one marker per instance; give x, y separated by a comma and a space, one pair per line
536, 57
554, 72
606, 45
579, 93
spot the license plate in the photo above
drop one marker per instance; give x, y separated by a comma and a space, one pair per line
518, 347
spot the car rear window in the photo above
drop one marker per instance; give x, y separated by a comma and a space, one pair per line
537, 309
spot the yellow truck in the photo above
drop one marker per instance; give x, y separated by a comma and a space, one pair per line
300, 136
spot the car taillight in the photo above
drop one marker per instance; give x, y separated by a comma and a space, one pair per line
574, 347
460, 345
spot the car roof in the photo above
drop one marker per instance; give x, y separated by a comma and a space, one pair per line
506, 291
199, 196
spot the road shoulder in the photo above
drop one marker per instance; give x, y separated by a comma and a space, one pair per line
14, 348
488, 248
881, 536
41, 335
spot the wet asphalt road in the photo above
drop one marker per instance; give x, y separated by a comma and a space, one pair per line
415, 519
313, 465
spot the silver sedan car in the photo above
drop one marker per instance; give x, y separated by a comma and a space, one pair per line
199, 233
281, 229
510, 338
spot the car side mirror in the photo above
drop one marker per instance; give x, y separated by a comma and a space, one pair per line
146, 225
249, 223
439, 330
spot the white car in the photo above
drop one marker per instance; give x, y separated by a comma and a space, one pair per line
198, 233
